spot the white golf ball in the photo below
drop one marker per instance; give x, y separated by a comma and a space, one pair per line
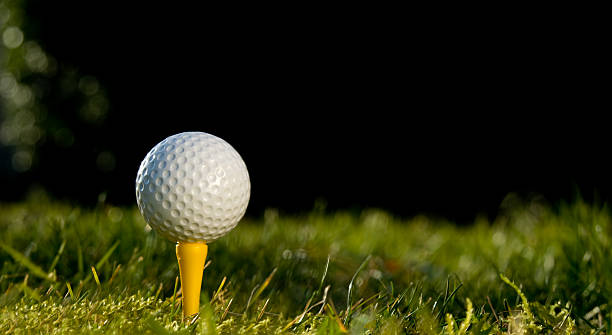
192, 187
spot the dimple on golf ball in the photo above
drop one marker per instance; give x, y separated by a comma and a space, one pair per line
192, 187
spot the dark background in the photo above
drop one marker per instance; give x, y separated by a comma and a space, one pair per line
411, 116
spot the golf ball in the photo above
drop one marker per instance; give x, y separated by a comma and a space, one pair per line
192, 187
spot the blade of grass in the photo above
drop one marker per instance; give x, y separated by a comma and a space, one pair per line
265, 284
95, 275
103, 260
107, 255
363, 302
324, 275
493, 310
70, 290
249, 301
115, 273
300, 317
324, 299
173, 301
161, 285
79, 290
226, 309
262, 310
448, 298
305, 310
260, 289
315, 293
26, 262
332, 314
350, 288
57, 256
218, 290
80, 263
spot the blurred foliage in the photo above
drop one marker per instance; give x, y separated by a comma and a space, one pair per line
43, 102
535, 269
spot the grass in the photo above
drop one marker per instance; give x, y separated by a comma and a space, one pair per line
534, 269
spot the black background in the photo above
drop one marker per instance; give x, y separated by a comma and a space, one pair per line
411, 116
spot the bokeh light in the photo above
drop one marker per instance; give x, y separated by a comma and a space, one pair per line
106, 161
12, 37
35, 58
34, 90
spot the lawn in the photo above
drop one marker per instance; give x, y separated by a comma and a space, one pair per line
536, 268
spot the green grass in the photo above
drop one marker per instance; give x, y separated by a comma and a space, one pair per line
534, 269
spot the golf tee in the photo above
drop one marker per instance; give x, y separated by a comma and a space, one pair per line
191, 257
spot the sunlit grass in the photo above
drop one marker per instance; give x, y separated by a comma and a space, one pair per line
535, 269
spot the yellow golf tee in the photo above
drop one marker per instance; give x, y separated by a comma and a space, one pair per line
191, 257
